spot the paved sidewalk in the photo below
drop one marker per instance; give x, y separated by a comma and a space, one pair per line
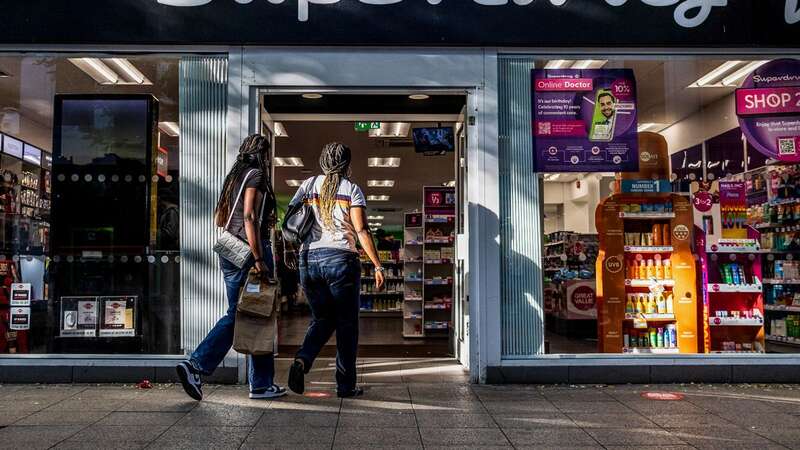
409, 404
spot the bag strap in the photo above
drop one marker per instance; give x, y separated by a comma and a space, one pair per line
238, 196
309, 194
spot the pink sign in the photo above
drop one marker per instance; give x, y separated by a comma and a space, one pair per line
573, 128
564, 84
760, 101
703, 201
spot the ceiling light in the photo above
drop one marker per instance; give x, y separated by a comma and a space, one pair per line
589, 64
715, 74
289, 161
4, 74
649, 126
380, 183
169, 128
450, 183
375, 224
552, 177
280, 130
375, 218
312, 96
419, 96
96, 69
391, 129
383, 162
294, 183
129, 70
734, 78
378, 198
557, 64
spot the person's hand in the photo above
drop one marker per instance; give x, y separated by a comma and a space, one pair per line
379, 280
290, 259
262, 268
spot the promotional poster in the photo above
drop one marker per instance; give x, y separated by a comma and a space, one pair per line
768, 106
585, 120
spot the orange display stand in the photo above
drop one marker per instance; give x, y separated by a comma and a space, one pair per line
646, 273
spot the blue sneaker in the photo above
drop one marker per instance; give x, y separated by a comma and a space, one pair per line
273, 391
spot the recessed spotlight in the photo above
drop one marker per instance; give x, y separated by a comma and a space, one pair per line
383, 162
312, 96
294, 183
380, 183
375, 218
419, 96
290, 161
378, 198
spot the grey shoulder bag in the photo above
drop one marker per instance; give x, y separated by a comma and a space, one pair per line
231, 246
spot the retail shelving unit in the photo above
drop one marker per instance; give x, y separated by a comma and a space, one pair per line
729, 253
439, 221
387, 302
413, 247
569, 266
647, 301
773, 201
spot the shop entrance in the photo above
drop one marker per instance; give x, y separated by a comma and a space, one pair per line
408, 158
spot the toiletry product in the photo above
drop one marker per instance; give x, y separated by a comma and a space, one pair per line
626, 340
657, 241
659, 270
651, 269
653, 338
629, 307
660, 338
661, 306
667, 270
640, 305
642, 270
670, 305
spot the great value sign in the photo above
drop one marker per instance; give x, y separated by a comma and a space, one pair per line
562, 23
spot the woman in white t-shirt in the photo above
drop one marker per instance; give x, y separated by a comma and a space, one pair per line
330, 268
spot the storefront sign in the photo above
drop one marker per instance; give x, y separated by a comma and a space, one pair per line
768, 106
585, 120
581, 300
21, 294
592, 23
20, 319
646, 186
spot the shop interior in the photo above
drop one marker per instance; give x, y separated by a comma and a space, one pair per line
740, 295
405, 149
78, 133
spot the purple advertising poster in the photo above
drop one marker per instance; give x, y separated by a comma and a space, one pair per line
768, 106
585, 120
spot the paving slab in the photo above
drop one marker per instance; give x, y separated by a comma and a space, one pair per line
549, 436
377, 436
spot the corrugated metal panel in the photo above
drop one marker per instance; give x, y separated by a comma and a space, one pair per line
521, 227
203, 107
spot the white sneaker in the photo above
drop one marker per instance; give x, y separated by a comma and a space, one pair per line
273, 391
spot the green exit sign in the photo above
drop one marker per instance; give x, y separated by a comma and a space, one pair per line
366, 126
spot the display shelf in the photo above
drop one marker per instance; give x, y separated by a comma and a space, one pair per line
438, 306
437, 327
649, 249
734, 246
412, 299
779, 281
387, 262
385, 278
438, 261
646, 215
438, 241
413, 336
648, 283
767, 226
655, 317
389, 313
734, 322
412, 280
381, 294
733, 352
651, 351
772, 251
734, 288
560, 256
782, 308
413, 317
783, 340
415, 243
552, 244
438, 282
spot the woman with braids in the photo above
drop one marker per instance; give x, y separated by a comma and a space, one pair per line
330, 269
249, 176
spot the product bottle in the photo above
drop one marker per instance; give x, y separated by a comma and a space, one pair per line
651, 269
629, 307
660, 338
667, 270
661, 306
626, 340
659, 270
665, 234
670, 305
633, 270
651, 304
657, 235
654, 337
640, 304
642, 270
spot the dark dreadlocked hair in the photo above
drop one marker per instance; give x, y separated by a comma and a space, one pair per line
335, 164
253, 154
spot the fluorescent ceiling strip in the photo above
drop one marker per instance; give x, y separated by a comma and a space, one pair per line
734, 78
280, 130
391, 129
375, 218
169, 128
557, 64
380, 183
378, 198
717, 73
125, 66
294, 183
383, 162
96, 69
288, 161
589, 64
375, 224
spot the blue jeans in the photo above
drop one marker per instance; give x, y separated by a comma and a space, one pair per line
210, 353
331, 279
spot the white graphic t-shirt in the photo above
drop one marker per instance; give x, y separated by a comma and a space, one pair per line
343, 235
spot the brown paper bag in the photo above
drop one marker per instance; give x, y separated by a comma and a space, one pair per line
256, 323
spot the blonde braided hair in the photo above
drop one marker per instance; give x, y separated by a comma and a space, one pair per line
335, 164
